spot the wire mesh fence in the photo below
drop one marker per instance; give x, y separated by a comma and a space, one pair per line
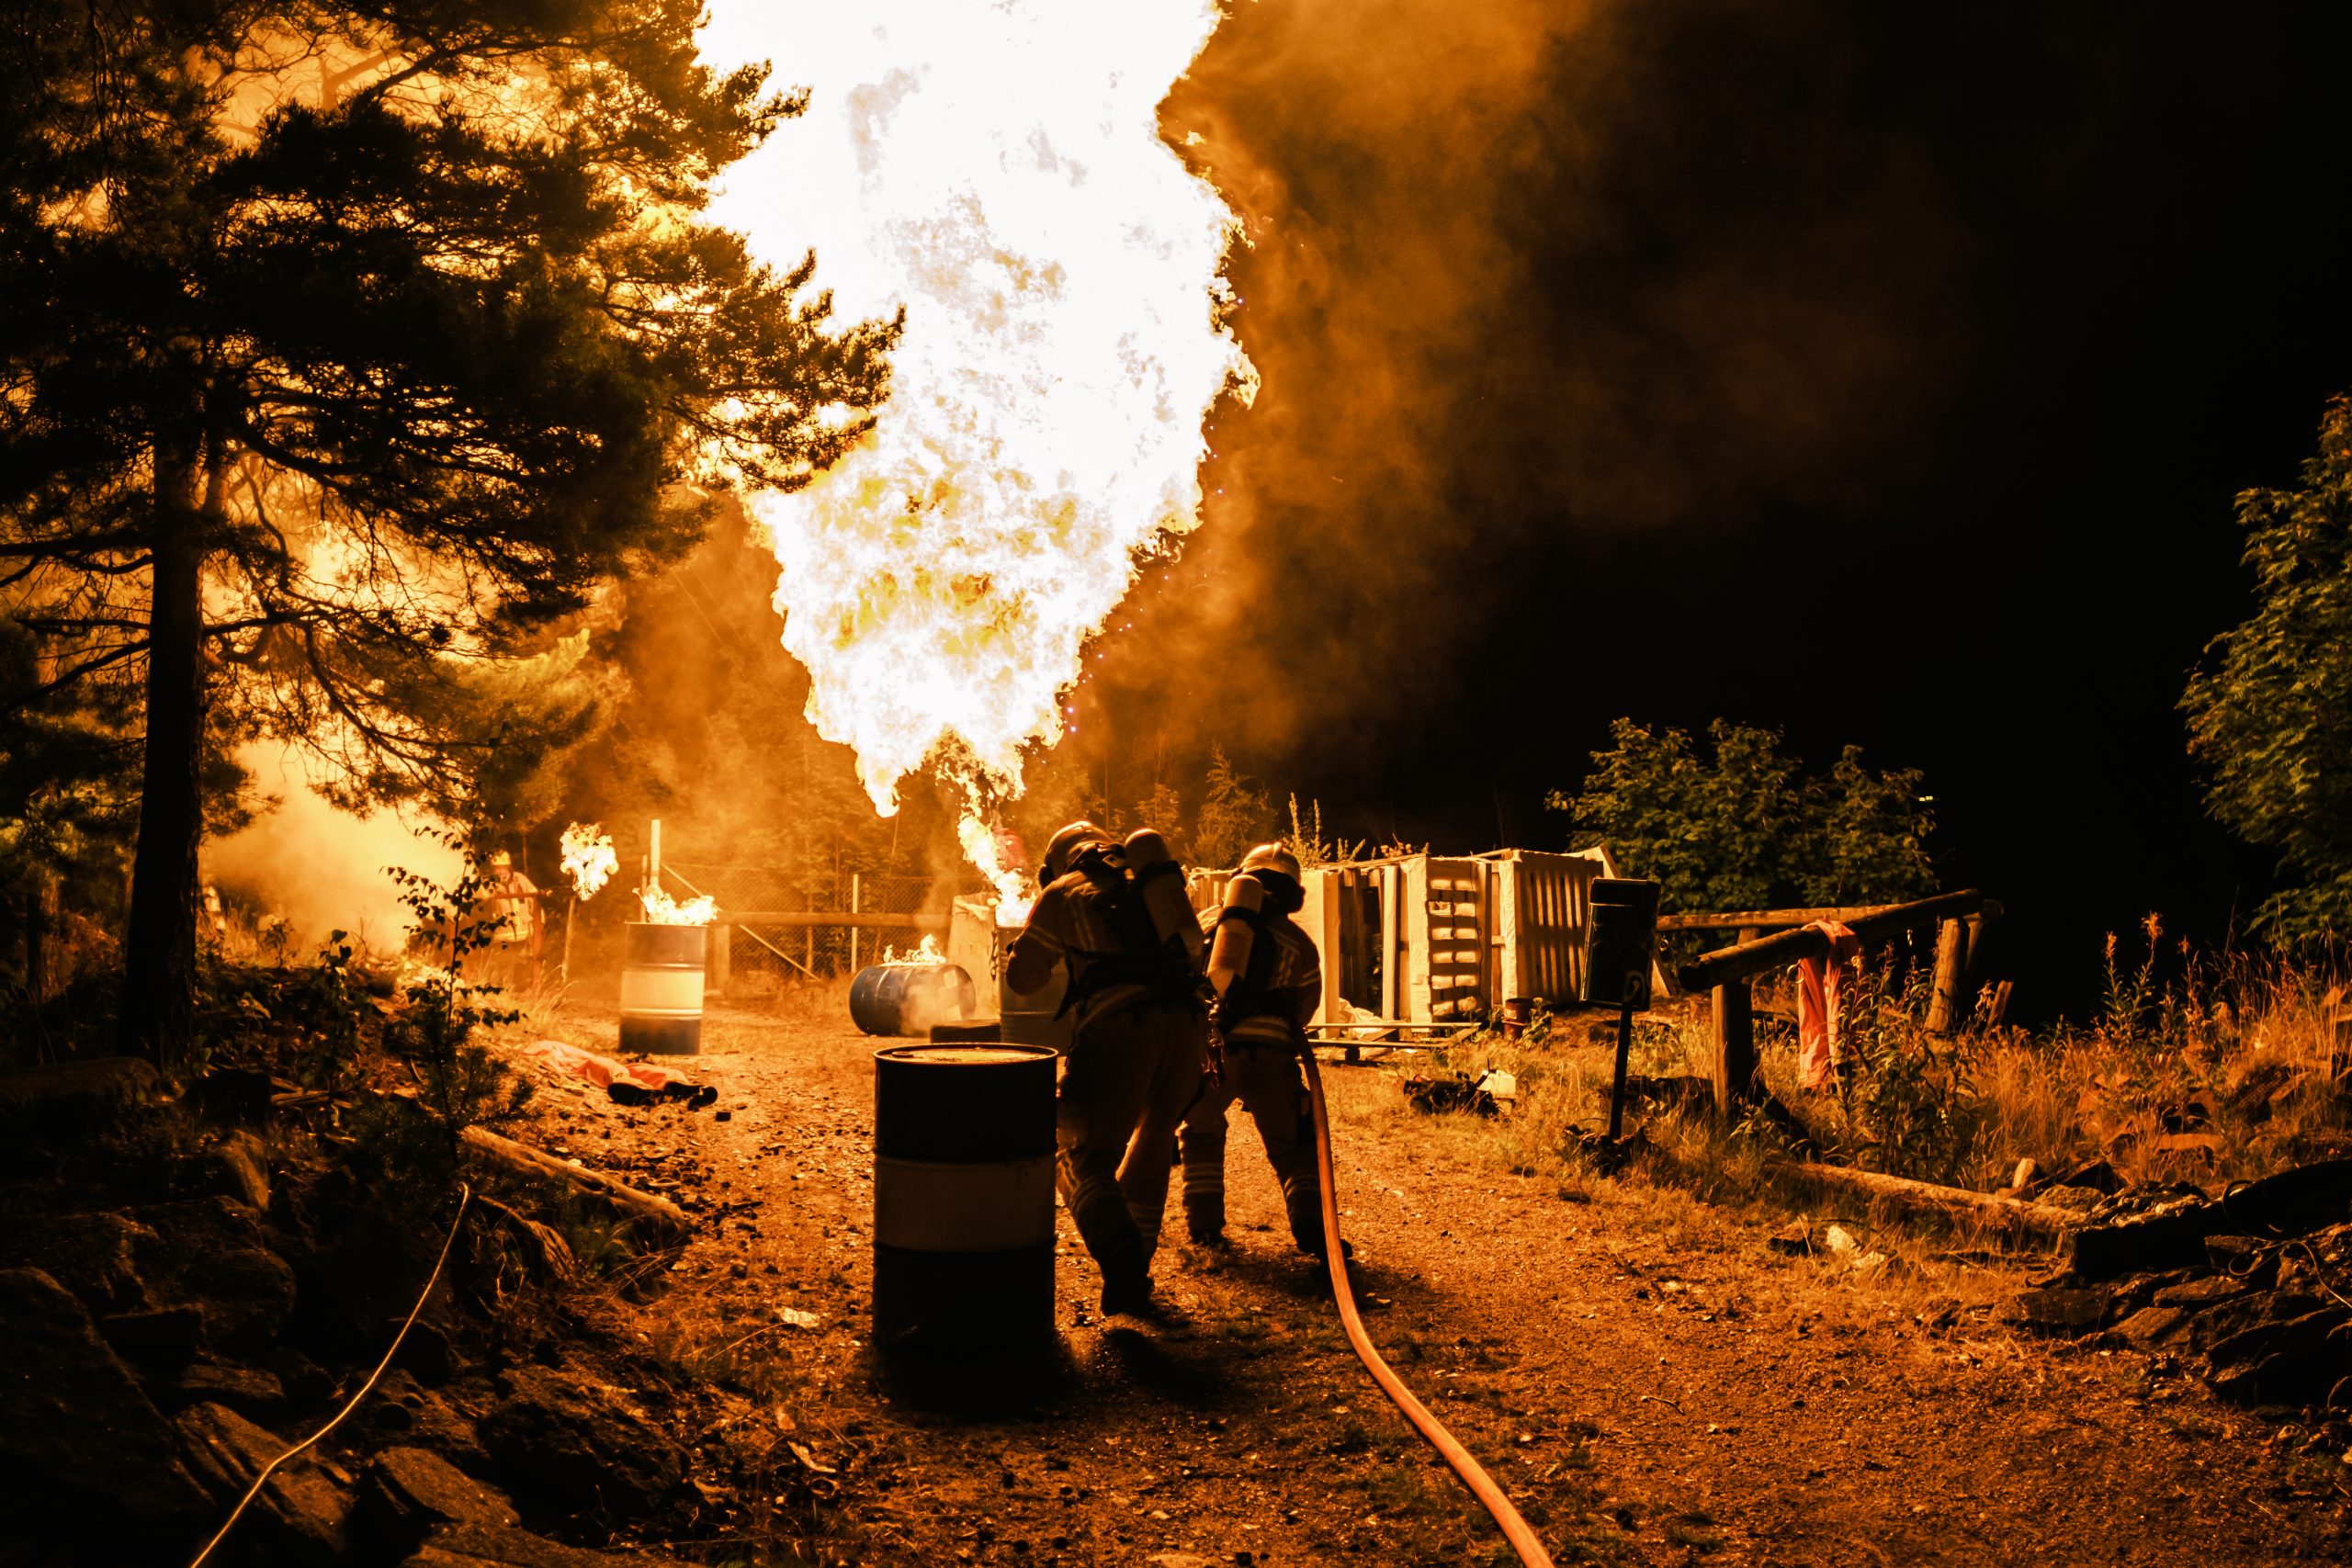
760, 954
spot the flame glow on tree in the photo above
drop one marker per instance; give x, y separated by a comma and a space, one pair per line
997, 171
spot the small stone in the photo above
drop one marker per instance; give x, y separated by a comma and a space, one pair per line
298, 1517
410, 1490
2059, 1309
248, 1391
2199, 1292
2150, 1326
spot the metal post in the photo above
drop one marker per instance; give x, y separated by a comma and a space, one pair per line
852, 930
1625, 1049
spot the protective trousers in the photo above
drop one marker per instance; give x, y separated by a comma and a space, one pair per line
1266, 1079
1137, 1068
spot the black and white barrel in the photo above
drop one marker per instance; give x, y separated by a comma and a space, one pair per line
963, 1195
661, 968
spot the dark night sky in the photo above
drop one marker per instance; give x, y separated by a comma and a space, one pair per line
1880, 372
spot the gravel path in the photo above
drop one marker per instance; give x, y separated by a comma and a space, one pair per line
1646, 1378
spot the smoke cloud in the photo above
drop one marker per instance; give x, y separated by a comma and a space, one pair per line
1524, 278
321, 867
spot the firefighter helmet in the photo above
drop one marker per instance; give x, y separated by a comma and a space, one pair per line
1271, 857
1064, 848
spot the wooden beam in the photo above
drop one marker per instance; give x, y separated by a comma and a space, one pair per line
2020, 1219
1768, 919
798, 917
521, 1159
1735, 1033
1747, 960
1947, 1005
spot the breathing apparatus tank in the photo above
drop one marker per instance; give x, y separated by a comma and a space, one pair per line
1160, 882
1229, 954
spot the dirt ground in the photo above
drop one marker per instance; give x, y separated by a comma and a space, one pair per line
1647, 1377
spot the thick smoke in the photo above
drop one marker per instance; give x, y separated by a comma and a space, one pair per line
1523, 274
321, 868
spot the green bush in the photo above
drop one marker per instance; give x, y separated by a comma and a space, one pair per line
1737, 823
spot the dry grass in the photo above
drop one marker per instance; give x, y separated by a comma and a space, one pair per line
2218, 1072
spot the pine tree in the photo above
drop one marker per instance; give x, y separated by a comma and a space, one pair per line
347, 349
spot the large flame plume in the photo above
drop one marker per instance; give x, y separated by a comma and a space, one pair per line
998, 172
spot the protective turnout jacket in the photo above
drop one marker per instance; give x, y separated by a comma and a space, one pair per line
1092, 920
1279, 990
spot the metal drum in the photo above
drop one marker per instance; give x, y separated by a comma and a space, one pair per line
962, 1195
908, 999
1031, 1019
661, 969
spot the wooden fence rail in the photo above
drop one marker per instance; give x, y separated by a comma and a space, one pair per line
1729, 972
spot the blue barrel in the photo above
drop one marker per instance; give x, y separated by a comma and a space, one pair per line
963, 1196
661, 968
908, 999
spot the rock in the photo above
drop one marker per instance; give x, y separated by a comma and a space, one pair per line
2151, 1327
304, 1383
234, 1094
410, 1492
2081, 1199
73, 1097
2096, 1173
2292, 1203
159, 1340
248, 1391
403, 1412
299, 1517
2298, 1362
2244, 1259
492, 1546
96, 1256
239, 1167
2061, 1309
76, 1431
427, 1351
2201, 1293
213, 1254
565, 1447
2144, 1229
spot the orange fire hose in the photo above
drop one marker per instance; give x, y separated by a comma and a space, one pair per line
1482, 1485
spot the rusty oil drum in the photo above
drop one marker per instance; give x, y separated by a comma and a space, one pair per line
661, 970
908, 999
963, 1196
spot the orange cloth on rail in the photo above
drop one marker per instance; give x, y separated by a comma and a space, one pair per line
1818, 979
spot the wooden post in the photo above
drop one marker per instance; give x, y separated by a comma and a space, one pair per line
722, 959
1734, 1021
1947, 1007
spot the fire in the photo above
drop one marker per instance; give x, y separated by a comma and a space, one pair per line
998, 172
588, 858
661, 910
924, 954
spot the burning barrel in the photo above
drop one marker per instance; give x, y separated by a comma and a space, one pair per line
908, 999
964, 1195
661, 967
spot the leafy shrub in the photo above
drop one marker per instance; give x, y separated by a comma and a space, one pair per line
1737, 824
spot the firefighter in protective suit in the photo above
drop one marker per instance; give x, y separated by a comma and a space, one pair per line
1138, 1043
1261, 1015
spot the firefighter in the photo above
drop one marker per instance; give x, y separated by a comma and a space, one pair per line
1139, 1040
1261, 1016
513, 906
